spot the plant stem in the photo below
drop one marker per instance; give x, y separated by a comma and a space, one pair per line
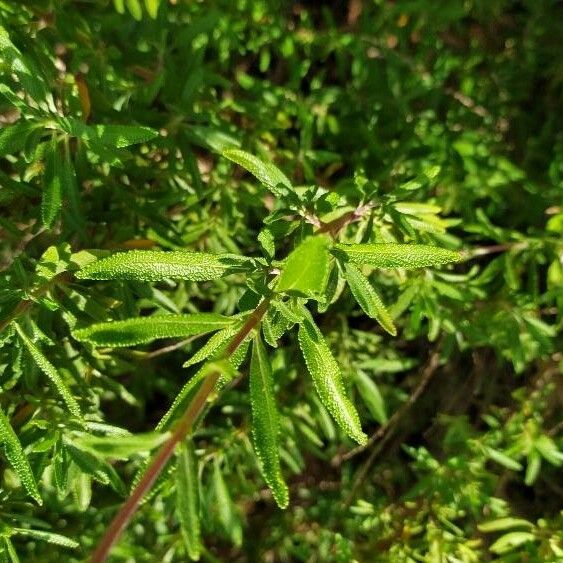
186, 422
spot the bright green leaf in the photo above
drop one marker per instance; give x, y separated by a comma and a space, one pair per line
368, 299
305, 270
509, 542
328, 379
392, 255
153, 265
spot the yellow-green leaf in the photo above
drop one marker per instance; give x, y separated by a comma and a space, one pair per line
393, 255
368, 299
141, 330
153, 265
305, 270
266, 172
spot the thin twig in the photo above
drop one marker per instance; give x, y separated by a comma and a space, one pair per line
186, 422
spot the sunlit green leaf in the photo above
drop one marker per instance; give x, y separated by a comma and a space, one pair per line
141, 330
368, 299
17, 458
305, 270
391, 255
328, 379
152, 265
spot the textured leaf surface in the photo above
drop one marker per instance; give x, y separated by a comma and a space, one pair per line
187, 499
215, 344
49, 537
50, 371
141, 330
328, 379
368, 299
118, 136
153, 265
305, 271
266, 172
392, 255
16, 457
265, 422
52, 199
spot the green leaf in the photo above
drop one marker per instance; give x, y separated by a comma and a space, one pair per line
135, 9
117, 136
305, 270
227, 512
214, 345
51, 202
153, 265
50, 371
392, 255
371, 396
509, 542
152, 7
368, 299
266, 172
265, 423
14, 137
141, 330
15, 62
48, 537
187, 499
504, 524
17, 458
121, 446
92, 464
503, 459
328, 380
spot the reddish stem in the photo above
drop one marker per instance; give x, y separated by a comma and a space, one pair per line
123, 517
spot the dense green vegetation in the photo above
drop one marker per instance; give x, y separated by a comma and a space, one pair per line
299, 262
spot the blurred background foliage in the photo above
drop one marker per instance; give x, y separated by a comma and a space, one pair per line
446, 116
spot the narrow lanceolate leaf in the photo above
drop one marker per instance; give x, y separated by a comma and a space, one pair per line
49, 537
51, 201
118, 136
50, 371
368, 299
392, 255
141, 330
371, 396
16, 457
265, 424
267, 173
305, 271
121, 447
187, 500
215, 345
227, 512
328, 380
153, 265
